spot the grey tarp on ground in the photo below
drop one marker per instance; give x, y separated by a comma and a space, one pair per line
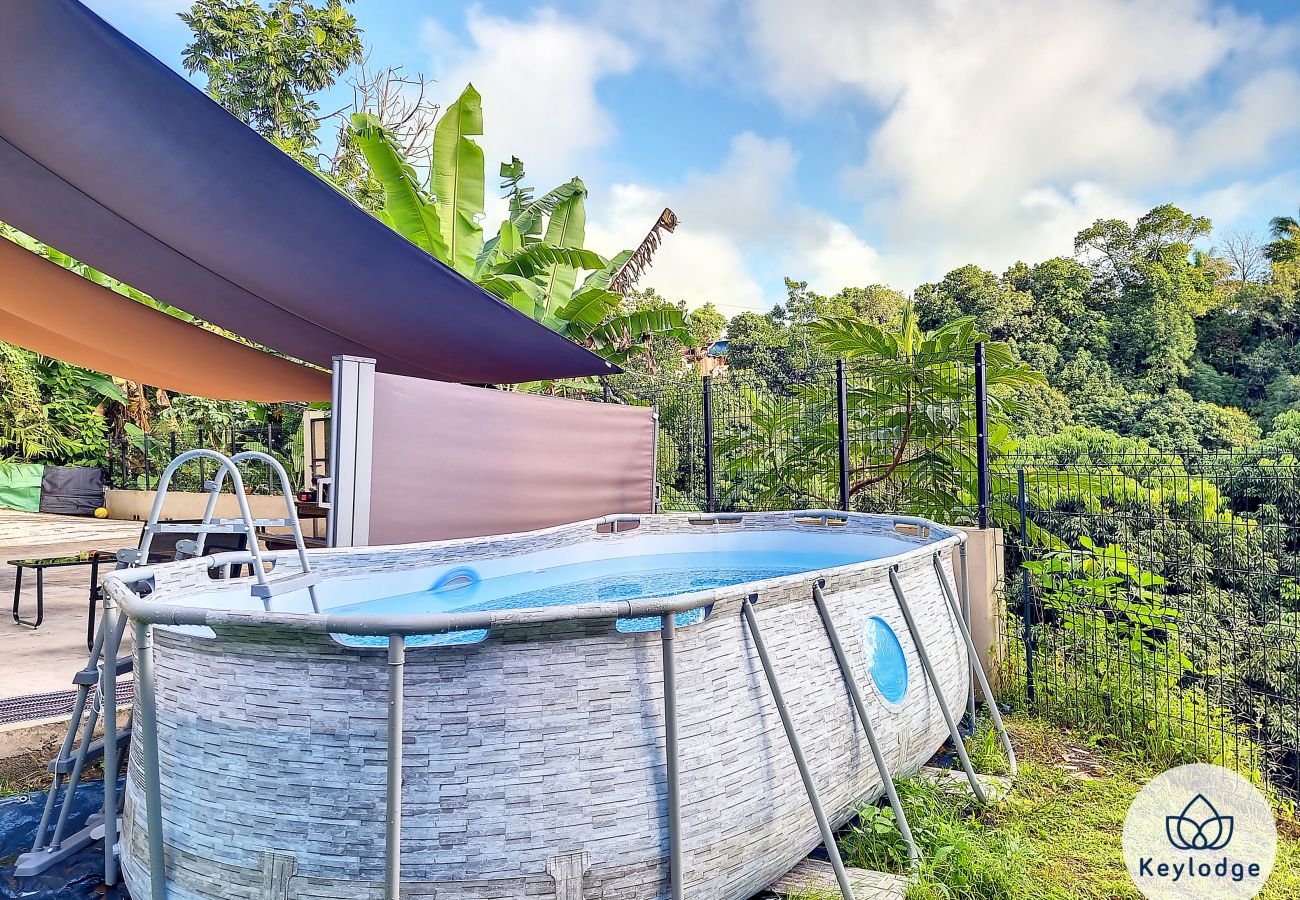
113, 158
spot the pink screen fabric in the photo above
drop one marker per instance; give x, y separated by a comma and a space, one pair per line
453, 461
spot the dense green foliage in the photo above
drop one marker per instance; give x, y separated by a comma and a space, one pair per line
264, 64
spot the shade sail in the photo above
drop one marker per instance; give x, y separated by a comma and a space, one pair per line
50, 310
113, 158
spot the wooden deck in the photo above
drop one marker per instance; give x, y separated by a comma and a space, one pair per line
43, 660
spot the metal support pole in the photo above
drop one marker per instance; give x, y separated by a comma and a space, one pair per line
965, 614
958, 744
147, 485
671, 758
828, 834
982, 433
108, 686
842, 419
148, 715
977, 668
393, 835
1026, 593
860, 707
710, 488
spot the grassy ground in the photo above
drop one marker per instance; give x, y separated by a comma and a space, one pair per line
1057, 836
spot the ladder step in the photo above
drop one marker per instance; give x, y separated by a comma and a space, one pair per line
286, 584
217, 527
91, 676
64, 764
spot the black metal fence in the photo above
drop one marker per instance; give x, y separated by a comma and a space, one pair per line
136, 460
879, 435
1144, 593
1150, 593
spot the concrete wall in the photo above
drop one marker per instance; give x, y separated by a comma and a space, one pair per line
136, 505
987, 568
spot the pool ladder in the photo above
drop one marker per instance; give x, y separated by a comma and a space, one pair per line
960, 612
245, 524
97, 683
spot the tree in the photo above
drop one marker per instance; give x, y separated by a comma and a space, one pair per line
534, 259
706, 325
1245, 255
907, 431
263, 64
1285, 246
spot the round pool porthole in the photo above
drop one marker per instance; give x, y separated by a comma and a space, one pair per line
885, 659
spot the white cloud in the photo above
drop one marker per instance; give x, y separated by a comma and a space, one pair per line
682, 32
742, 229
1009, 124
538, 80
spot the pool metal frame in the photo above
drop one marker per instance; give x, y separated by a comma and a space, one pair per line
144, 614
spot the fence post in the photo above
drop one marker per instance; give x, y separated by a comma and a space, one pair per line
147, 487
710, 489
842, 417
1025, 590
982, 434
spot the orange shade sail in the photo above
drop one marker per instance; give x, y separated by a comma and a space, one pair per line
50, 310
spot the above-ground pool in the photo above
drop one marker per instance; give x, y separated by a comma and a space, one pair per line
533, 745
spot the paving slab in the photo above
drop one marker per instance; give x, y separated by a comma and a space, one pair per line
36, 661
817, 877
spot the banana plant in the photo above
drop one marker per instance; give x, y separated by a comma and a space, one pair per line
535, 260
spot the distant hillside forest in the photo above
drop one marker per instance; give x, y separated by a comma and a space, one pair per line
1140, 333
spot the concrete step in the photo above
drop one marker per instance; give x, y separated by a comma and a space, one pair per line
996, 787
816, 877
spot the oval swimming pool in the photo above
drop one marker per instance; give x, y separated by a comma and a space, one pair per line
533, 755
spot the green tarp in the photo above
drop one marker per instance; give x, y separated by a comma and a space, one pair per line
20, 486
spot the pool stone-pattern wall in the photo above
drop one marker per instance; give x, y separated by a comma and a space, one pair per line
543, 742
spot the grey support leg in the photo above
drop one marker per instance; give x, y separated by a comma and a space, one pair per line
977, 669
148, 714
953, 731
108, 685
393, 832
828, 834
860, 707
671, 758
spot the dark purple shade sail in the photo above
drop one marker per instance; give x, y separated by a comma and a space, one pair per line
116, 160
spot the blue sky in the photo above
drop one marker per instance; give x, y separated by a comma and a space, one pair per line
851, 142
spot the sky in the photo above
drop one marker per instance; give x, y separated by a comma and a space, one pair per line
855, 142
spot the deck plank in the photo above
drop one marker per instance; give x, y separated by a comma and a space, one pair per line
816, 876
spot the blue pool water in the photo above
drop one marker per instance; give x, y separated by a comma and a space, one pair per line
595, 581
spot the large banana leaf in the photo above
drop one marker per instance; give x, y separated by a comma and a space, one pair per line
539, 258
586, 310
506, 242
602, 278
458, 179
615, 338
529, 219
407, 209
566, 228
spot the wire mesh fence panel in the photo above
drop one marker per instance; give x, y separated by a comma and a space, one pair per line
885, 433
137, 460
1158, 595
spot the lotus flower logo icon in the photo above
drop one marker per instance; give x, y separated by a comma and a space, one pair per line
1199, 826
